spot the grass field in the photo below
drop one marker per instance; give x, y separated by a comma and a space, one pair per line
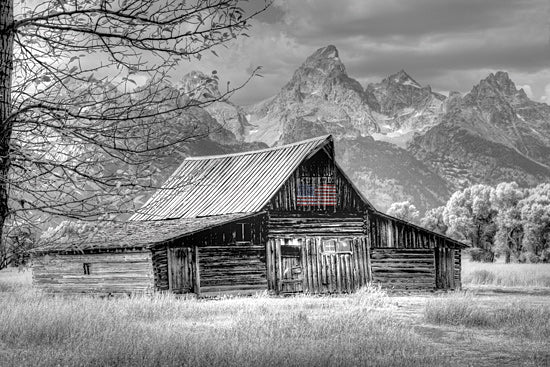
369, 328
506, 275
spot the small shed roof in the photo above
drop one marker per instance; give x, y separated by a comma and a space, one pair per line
231, 183
145, 234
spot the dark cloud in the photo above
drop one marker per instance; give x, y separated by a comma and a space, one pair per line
410, 19
449, 44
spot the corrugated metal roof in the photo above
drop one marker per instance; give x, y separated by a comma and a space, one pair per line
232, 183
121, 235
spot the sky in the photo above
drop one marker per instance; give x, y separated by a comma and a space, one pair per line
448, 44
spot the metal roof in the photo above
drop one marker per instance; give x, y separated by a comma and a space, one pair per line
231, 183
125, 235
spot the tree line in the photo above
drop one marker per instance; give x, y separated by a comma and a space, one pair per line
502, 220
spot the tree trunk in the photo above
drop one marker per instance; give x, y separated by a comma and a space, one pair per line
6, 70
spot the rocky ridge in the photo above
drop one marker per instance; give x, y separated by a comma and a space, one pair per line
397, 139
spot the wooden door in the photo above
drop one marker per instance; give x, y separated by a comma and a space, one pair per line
318, 264
341, 264
291, 268
180, 270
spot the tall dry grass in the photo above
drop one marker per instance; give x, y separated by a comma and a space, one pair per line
163, 330
505, 275
516, 318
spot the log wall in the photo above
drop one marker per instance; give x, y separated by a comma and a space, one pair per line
297, 225
403, 269
240, 233
123, 272
228, 269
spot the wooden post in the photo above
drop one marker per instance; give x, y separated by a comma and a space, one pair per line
369, 267
197, 276
278, 265
169, 258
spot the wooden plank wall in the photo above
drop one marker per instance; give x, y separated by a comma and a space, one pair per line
447, 263
123, 272
232, 268
320, 272
458, 269
160, 267
297, 225
243, 232
388, 232
181, 269
403, 269
313, 172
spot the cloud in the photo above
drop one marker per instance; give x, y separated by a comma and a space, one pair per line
527, 89
449, 44
546, 97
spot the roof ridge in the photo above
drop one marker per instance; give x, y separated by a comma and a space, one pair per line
219, 156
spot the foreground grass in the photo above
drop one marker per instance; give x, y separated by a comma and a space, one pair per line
367, 328
42, 330
505, 275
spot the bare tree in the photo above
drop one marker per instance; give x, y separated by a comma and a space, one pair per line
85, 105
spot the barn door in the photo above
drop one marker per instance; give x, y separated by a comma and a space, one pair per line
291, 265
339, 268
180, 270
317, 264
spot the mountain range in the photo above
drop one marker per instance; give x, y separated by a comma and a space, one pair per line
397, 139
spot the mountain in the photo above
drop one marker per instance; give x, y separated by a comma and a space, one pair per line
321, 98
201, 87
396, 138
405, 107
494, 133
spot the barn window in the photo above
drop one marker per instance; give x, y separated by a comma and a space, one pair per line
337, 246
86, 267
329, 246
343, 245
243, 232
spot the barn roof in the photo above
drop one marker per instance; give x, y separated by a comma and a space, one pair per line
145, 234
231, 183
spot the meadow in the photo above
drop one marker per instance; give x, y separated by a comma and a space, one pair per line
478, 326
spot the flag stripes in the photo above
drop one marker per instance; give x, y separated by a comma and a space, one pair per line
316, 195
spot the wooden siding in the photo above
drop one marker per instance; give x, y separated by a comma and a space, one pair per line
297, 225
160, 267
458, 269
387, 232
249, 230
447, 265
228, 269
175, 266
181, 269
403, 269
124, 272
316, 171
309, 269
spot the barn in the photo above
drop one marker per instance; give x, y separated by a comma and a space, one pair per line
285, 219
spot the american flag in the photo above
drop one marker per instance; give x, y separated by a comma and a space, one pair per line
324, 194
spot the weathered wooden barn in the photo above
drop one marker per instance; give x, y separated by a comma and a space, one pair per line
284, 219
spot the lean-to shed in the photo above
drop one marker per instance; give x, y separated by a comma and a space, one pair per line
284, 219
